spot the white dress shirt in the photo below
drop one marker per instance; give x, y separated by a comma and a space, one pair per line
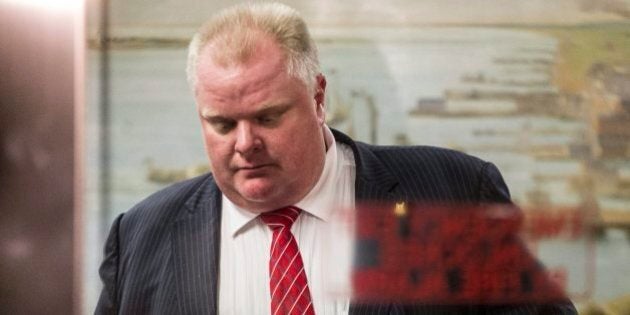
323, 237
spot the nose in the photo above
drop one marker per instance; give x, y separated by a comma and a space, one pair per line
247, 142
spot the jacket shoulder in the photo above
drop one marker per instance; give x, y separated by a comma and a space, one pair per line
428, 157
163, 206
440, 174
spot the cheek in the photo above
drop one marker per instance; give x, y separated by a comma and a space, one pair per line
295, 145
217, 150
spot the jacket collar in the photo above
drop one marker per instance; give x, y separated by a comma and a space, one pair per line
374, 181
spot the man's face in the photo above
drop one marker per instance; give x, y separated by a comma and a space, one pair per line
262, 128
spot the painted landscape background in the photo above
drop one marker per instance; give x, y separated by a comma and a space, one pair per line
540, 88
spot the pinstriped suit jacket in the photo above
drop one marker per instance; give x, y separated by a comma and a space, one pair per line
161, 257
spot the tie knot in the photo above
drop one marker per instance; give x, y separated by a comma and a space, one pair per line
283, 217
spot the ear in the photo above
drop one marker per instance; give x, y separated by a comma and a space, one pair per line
320, 96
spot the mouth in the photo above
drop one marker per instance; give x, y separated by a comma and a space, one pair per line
253, 167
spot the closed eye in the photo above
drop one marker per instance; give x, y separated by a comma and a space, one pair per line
271, 117
268, 120
221, 125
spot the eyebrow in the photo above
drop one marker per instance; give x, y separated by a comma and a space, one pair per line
266, 110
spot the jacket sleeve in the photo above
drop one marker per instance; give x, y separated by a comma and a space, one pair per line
109, 270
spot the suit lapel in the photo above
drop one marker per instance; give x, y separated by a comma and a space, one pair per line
196, 249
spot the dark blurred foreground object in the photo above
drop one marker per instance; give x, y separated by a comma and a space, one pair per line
37, 94
455, 255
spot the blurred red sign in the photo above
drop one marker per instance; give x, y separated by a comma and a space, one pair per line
454, 254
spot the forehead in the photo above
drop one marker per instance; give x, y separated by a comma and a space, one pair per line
216, 71
243, 89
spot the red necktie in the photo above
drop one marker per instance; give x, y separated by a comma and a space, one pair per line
289, 288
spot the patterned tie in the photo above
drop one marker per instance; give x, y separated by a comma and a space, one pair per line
289, 288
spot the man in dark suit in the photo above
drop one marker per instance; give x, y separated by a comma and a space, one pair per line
260, 98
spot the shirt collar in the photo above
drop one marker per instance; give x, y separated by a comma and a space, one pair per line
319, 201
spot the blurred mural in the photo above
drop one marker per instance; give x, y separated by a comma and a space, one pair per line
540, 88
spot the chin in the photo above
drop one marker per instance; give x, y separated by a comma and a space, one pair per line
258, 195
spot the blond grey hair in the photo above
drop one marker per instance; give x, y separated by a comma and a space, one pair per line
235, 31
